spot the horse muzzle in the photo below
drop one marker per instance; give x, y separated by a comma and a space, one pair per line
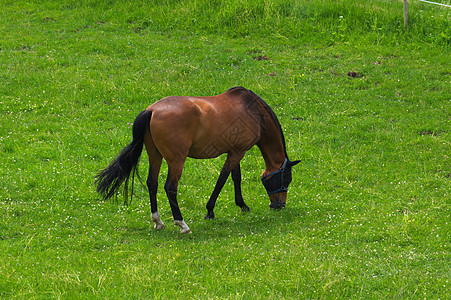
277, 205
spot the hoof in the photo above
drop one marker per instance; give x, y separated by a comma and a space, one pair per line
159, 226
158, 223
210, 216
183, 227
277, 205
245, 208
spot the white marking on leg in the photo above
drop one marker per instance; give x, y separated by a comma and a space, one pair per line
183, 227
156, 219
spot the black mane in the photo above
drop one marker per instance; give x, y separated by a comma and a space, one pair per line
237, 88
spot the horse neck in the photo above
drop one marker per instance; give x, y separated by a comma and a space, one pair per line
272, 144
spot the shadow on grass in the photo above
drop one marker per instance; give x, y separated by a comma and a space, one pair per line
230, 226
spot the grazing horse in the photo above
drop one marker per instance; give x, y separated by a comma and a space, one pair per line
175, 128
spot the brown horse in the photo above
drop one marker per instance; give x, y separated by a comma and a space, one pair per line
175, 128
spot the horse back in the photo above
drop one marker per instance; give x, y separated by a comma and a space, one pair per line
205, 127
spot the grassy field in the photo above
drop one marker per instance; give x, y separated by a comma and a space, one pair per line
364, 102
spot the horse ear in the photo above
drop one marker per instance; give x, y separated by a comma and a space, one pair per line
293, 163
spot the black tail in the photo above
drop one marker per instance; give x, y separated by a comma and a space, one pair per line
109, 180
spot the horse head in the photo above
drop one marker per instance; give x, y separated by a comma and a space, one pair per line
276, 184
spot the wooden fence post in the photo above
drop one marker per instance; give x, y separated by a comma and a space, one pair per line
406, 17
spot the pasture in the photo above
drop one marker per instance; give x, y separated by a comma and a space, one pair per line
364, 103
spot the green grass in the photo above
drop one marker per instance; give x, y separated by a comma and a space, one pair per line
368, 210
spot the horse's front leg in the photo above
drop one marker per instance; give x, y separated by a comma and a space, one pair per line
233, 159
171, 186
236, 177
214, 196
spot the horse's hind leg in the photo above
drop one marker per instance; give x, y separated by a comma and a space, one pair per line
236, 177
171, 186
152, 179
152, 184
